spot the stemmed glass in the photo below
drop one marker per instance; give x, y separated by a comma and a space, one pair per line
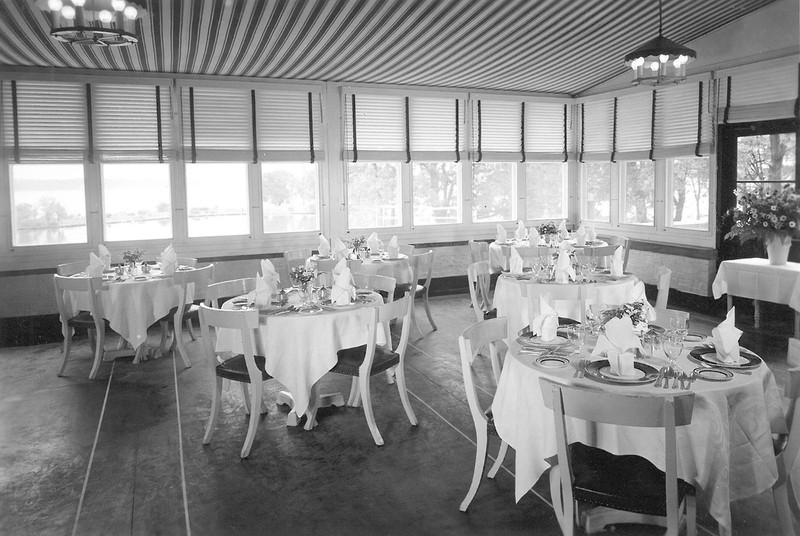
576, 334
673, 346
678, 326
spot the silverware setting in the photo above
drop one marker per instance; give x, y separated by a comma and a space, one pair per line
680, 380
735, 371
580, 369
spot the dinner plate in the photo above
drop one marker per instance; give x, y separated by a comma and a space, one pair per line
551, 361
535, 340
694, 337
708, 355
712, 374
600, 370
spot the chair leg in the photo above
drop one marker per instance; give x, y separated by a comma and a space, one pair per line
781, 499
691, 516
414, 319
355, 394
401, 388
100, 344
428, 310
482, 441
366, 399
190, 327
164, 338
498, 462
245, 396
178, 334
563, 508
255, 402
67, 332
215, 403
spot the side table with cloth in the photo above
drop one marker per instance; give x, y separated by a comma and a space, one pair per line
511, 301
300, 348
760, 281
726, 452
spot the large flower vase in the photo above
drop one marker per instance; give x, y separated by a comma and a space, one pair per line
778, 249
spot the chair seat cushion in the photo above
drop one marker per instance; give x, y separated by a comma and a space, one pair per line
235, 369
350, 359
83, 319
490, 314
626, 482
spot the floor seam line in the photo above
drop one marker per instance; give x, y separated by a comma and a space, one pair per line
94, 448
180, 440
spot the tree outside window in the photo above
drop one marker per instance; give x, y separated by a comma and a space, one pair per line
374, 195
639, 189
688, 192
597, 199
493, 192
546, 190
290, 195
766, 158
437, 189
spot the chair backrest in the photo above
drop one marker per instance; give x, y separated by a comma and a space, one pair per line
379, 283
664, 278
71, 268
471, 340
624, 242
642, 410
663, 317
478, 251
406, 249
294, 257
191, 262
245, 321
199, 278
228, 289
91, 285
529, 254
570, 301
479, 279
422, 268
379, 319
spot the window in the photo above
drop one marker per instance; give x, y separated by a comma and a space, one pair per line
597, 192
687, 193
217, 199
493, 192
49, 204
136, 202
437, 193
546, 190
638, 180
290, 195
766, 158
374, 197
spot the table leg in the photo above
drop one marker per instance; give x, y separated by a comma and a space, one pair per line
316, 401
797, 324
756, 314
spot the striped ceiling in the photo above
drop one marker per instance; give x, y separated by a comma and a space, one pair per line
551, 46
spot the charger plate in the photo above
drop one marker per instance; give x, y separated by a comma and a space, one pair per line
600, 371
713, 374
551, 361
535, 340
694, 337
708, 355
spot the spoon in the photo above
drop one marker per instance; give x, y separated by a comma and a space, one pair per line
668, 373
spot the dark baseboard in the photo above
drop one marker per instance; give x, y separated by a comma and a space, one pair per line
30, 330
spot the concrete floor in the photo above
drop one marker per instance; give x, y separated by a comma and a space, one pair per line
122, 454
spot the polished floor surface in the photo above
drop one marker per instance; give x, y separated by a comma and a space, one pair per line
122, 454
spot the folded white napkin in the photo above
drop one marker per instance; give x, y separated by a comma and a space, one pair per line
616, 262
618, 336
261, 297
339, 249
591, 234
522, 232
393, 250
96, 266
341, 265
324, 247
169, 260
502, 236
104, 255
374, 243
515, 262
564, 270
269, 274
726, 339
343, 290
533, 237
621, 362
562, 229
638, 295
580, 235
545, 324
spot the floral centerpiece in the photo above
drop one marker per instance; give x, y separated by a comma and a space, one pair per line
301, 275
635, 310
358, 242
132, 257
547, 228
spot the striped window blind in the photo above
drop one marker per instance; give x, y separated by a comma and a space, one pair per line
769, 91
45, 121
597, 130
634, 126
217, 124
375, 127
289, 126
547, 133
683, 120
436, 131
496, 131
131, 123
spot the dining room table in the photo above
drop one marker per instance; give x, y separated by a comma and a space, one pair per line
399, 267
499, 252
726, 452
300, 346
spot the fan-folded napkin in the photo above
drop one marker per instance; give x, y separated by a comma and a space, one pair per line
343, 290
545, 324
618, 340
96, 266
522, 232
616, 262
374, 243
726, 339
533, 237
393, 250
266, 286
169, 260
580, 235
104, 255
591, 234
515, 263
502, 236
324, 247
562, 229
621, 362
269, 274
339, 249
564, 270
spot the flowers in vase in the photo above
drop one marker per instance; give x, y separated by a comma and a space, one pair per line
302, 274
765, 213
634, 310
547, 228
132, 257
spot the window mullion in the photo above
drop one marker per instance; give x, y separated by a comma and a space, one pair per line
256, 201
94, 202
407, 187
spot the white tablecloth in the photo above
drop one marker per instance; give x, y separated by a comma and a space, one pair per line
400, 268
498, 253
726, 453
758, 280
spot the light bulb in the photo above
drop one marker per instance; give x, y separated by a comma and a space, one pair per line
78, 3
654, 66
68, 12
118, 5
639, 61
677, 63
130, 13
663, 58
105, 16
54, 5
684, 59
634, 66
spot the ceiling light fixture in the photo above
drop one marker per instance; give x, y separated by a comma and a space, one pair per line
660, 60
106, 23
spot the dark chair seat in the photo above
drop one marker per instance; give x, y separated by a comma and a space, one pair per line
350, 359
235, 369
83, 319
491, 428
190, 311
564, 321
490, 314
625, 482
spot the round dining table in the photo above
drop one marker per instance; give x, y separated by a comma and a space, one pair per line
499, 252
726, 452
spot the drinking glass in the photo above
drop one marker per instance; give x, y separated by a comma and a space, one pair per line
678, 326
673, 346
576, 334
593, 263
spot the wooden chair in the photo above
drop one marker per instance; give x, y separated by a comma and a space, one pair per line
478, 251
91, 320
422, 270
246, 368
187, 310
191, 262
479, 279
369, 359
228, 289
624, 243
664, 278
475, 337
528, 254
787, 448
627, 488
406, 249
292, 258
71, 268
663, 317
603, 254
570, 301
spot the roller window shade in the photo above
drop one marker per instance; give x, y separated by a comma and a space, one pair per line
763, 94
131, 123
545, 131
50, 123
436, 132
377, 130
597, 130
683, 121
217, 124
634, 126
497, 133
288, 127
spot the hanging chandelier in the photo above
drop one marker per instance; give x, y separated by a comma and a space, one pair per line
105, 23
660, 60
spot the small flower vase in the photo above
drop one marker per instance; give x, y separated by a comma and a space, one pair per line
778, 249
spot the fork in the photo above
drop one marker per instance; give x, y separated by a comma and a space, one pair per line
581, 368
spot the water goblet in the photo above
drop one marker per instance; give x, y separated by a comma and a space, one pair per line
678, 325
577, 337
673, 346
